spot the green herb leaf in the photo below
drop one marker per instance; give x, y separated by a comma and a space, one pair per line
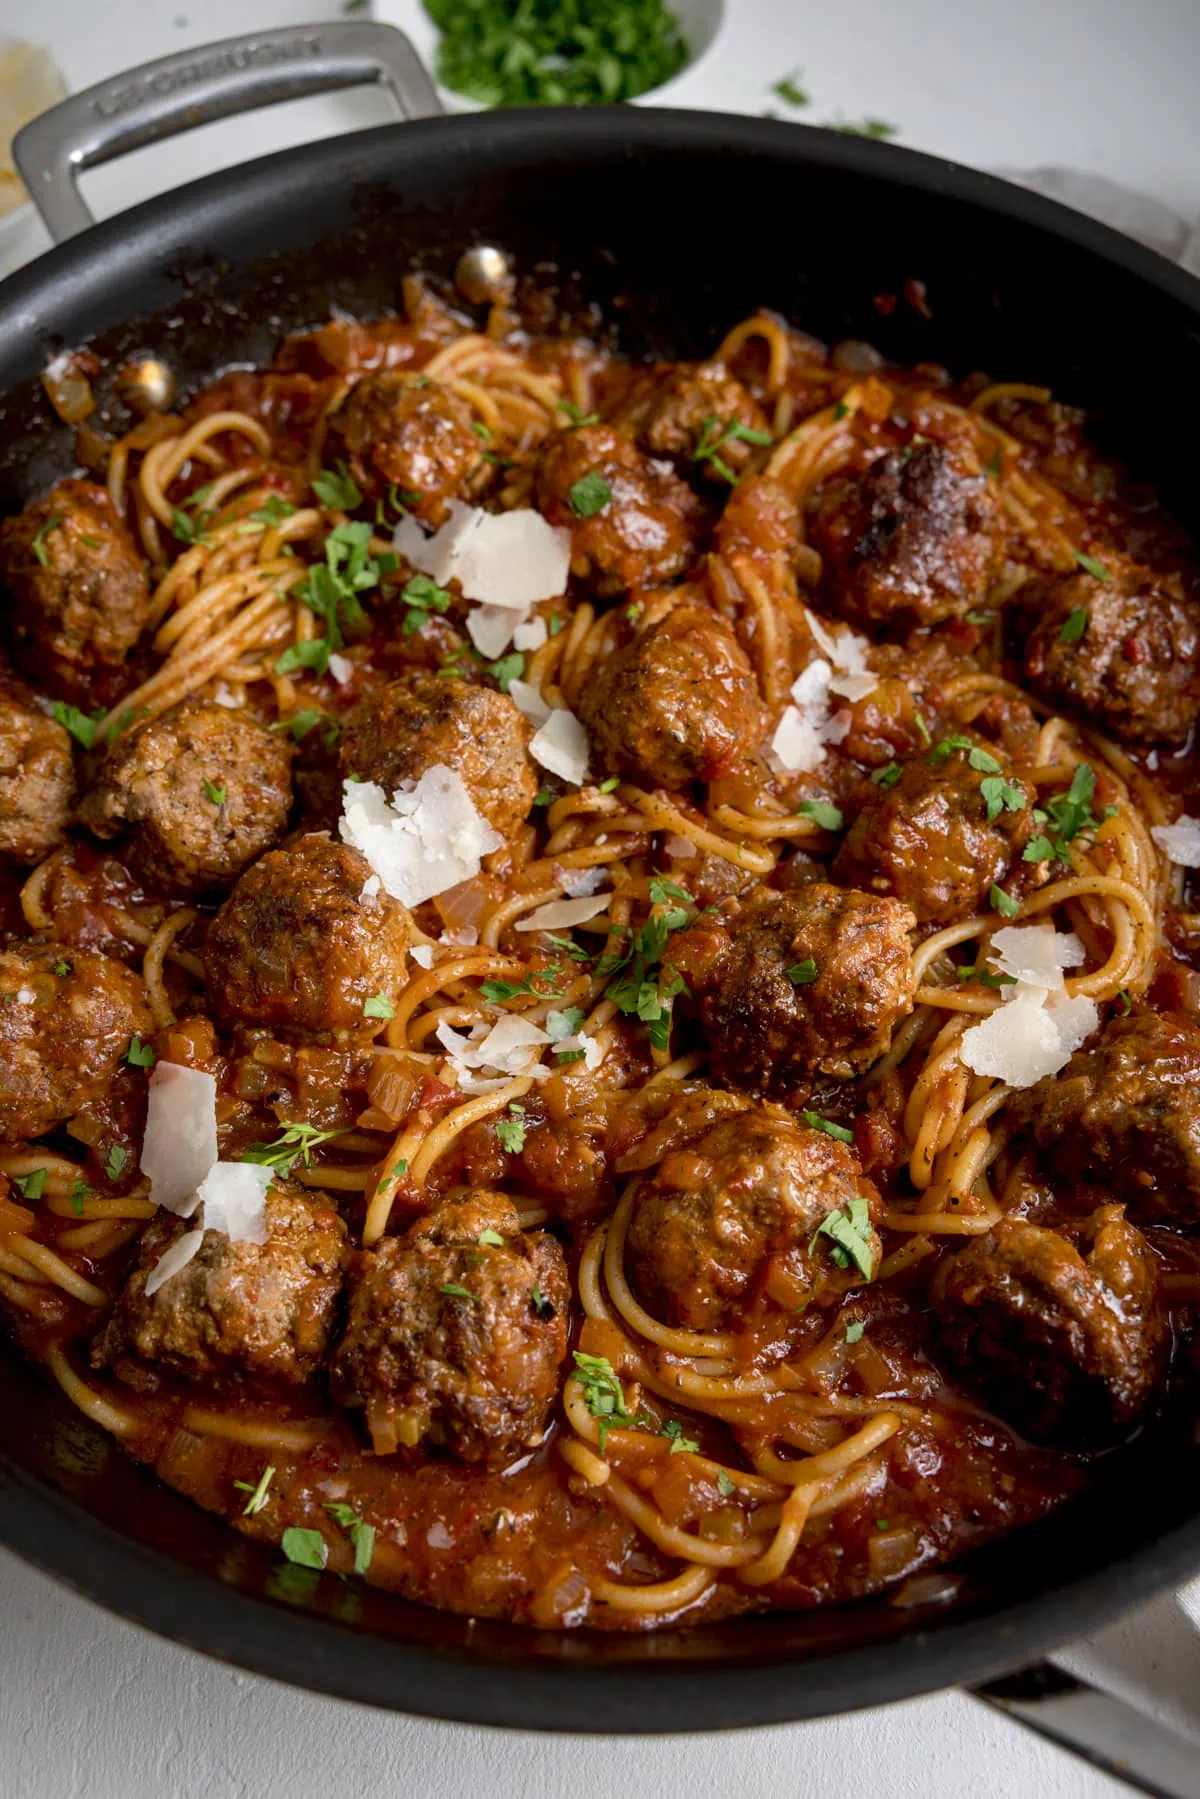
455, 1290
1000, 796
79, 1192
1124, 1002
337, 489
500, 54
63, 969
610, 785
31, 1185
118, 1155
294, 1143
1039, 849
854, 1330
378, 1006
422, 595
511, 1133
306, 1548
188, 529
991, 468
490, 1239
817, 1123
81, 727
39, 542
725, 1486
139, 1054
542, 1307
590, 494
603, 1393
1090, 566
217, 795
258, 1494
1075, 625
789, 91
273, 511
850, 1229
500, 992
1002, 902
822, 813
508, 669
887, 776
802, 974
576, 416
314, 654
568, 947
922, 727
679, 1443
300, 724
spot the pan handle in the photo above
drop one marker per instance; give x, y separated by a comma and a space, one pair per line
195, 87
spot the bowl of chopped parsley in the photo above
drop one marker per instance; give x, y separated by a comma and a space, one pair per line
500, 53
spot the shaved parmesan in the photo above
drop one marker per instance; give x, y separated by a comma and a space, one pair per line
1180, 841
512, 1047
26, 996
370, 889
173, 1259
428, 839
559, 1025
809, 725
465, 934
180, 1143
531, 635
593, 1052
529, 701
341, 668
847, 651
559, 915
562, 746
234, 1197
422, 954
680, 849
490, 629
225, 696
511, 559
579, 882
1036, 954
1028, 1036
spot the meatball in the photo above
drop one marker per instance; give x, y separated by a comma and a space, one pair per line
631, 518
678, 704
737, 1214
408, 432
913, 541
928, 840
1126, 1115
78, 587
456, 1339
66, 1018
235, 1308
396, 733
1064, 1333
793, 984
679, 410
204, 789
37, 780
298, 948
1122, 651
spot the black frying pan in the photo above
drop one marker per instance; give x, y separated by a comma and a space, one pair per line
676, 224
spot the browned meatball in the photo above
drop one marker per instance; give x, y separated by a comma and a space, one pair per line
298, 948
913, 541
1126, 1115
453, 1338
205, 790
928, 840
406, 431
1064, 1333
37, 780
678, 704
792, 984
678, 410
246, 1308
80, 598
396, 733
1120, 651
66, 1018
631, 518
736, 1214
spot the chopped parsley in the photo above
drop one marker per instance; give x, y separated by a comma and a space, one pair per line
991, 468
300, 724
715, 433
854, 1330
498, 992
883, 1524
922, 727
603, 1394
1124, 1002
1074, 626
139, 1054
39, 542
850, 1230
362, 1536
590, 494
216, 795
331, 590
545, 796
841, 411
542, 1307
378, 1006
1065, 816
337, 489
679, 1443
1090, 566
1002, 902
114, 1166
802, 974
258, 1494
31, 1185
81, 727
63, 969
511, 1130
1000, 796
817, 1123
456, 1290
979, 759
79, 1192
576, 415
725, 1486
188, 529
273, 511
985, 976
490, 1239
294, 1143
422, 595
574, 950
887, 776
305, 1548
822, 813
789, 91
875, 128
498, 53
610, 785
508, 669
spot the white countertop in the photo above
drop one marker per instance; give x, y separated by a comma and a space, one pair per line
91, 1708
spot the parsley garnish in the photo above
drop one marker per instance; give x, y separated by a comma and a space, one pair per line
590, 494
979, 759
1075, 625
455, 1290
306, 1548
362, 1536
1069, 813
802, 974
511, 1130
822, 813
499, 992
39, 545
300, 724
725, 1486
985, 976
1124, 1001
258, 1494
1090, 566
568, 948
217, 795
841, 411
850, 1229
81, 727
422, 595
330, 590
817, 1123
789, 91
854, 1330
337, 489
378, 1006
991, 468
602, 1394
508, 669
610, 785
294, 1143
1000, 796
1002, 902
576, 416
715, 433
139, 1054
499, 54
542, 1307
118, 1155
62, 970
31, 1185
679, 1443
922, 727
75, 1198
545, 796
187, 529
887, 776
273, 511
490, 1239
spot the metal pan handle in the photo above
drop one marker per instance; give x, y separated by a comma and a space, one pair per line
195, 87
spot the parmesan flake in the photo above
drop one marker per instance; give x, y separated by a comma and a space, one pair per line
429, 838
1180, 841
560, 915
528, 700
422, 954
1028, 1036
234, 1197
1036, 954
510, 559
180, 1142
173, 1260
561, 745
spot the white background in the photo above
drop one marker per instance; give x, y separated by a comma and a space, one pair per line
93, 1709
